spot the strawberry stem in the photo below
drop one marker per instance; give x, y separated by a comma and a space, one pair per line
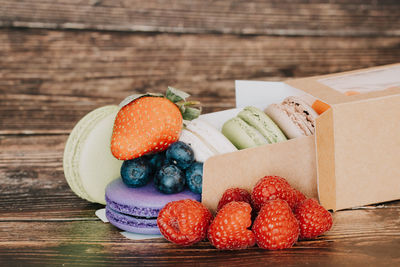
190, 109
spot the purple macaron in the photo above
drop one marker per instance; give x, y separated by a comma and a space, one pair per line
136, 209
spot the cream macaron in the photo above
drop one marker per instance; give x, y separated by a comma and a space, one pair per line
88, 163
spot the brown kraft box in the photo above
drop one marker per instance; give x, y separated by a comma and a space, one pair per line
352, 160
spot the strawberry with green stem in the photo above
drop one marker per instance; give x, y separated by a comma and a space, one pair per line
149, 123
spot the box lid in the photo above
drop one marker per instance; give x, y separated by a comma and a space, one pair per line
358, 139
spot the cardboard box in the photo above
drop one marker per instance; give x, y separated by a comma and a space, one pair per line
354, 157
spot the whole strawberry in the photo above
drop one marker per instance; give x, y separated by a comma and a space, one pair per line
229, 230
313, 219
234, 194
275, 226
184, 222
150, 123
270, 188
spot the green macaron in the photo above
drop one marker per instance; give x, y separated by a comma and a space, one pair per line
262, 123
88, 163
251, 128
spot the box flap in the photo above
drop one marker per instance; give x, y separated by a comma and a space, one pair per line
352, 85
325, 151
261, 94
293, 159
365, 155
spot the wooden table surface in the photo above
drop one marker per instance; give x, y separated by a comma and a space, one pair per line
61, 59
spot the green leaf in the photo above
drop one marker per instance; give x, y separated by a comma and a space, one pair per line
134, 97
191, 113
176, 95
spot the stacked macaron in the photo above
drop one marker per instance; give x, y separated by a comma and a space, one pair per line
136, 209
251, 128
205, 140
292, 118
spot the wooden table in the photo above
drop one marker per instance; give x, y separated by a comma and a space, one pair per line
61, 59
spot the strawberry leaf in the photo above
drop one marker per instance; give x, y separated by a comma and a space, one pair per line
134, 97
191, 113
176, 95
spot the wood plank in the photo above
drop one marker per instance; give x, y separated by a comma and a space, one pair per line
369, 237
32, 180
287, 17
49, 79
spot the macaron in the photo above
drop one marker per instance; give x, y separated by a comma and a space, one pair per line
251, 128
88, 163
205, 140
294, 116
136, 209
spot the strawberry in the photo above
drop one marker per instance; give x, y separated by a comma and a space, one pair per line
272, 187
275, 226
150, 123
300, 197
234, 194
229, 228
314, 220
184, 222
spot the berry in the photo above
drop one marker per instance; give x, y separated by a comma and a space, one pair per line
194, 177
156, 160
150, 123
184, 222
147, 124
272, 187
169, 179
234, 194
229, 228
180, 154
300, 197
136, 172
275, 226
314, 220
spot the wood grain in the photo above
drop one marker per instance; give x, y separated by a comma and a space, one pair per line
287, 17
352, 241
61, 59
50, 79
33, 183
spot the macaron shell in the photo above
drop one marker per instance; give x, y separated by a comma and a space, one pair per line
301, 105
211, 136
132, 224
97, 166
241, 134
260, 121
73, 149
280, 117
201, 149
143, 201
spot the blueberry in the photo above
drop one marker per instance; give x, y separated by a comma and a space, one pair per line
194, 177
180, 154
136, 172
169, 179
156, 160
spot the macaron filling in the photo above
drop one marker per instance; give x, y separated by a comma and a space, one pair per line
132, 223
135, 219
133, 211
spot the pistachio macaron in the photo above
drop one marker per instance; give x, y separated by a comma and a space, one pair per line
251, 128
88, 163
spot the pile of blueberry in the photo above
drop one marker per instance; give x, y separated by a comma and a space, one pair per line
172, 170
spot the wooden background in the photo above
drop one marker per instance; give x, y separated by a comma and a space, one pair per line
61, 59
